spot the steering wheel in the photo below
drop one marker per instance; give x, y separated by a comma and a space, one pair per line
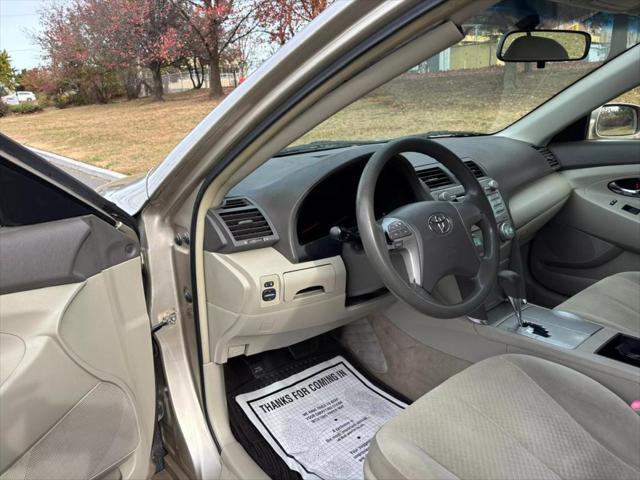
433, 237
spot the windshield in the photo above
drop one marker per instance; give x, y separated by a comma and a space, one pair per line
466, 90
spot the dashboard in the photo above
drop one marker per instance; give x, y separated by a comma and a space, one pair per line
296, 199
274, 273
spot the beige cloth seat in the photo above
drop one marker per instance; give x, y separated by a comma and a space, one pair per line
511, 417
613, 302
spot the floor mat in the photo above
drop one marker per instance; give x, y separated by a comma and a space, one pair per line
319, 421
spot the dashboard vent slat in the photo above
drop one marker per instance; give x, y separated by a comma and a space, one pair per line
475, 168
235, 203
549, 157
435, 177
246, 224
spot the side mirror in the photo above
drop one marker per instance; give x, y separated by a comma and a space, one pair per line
616, 120
542, 46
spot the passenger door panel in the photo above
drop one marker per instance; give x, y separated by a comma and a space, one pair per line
77, 388
592, 236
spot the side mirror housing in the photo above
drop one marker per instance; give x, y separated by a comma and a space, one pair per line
615, 120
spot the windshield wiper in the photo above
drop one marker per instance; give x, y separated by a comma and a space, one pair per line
449, 133
325, 145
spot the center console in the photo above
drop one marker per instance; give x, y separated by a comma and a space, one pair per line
562, 329
498, 205
602, 353
500, 211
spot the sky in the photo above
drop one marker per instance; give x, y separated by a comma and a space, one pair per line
17, 19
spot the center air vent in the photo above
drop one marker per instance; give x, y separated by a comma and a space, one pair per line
434, 177
475, 168
235, 203
246, 225
549, 157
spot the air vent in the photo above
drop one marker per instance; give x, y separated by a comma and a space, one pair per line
549, 157
434, 177
246, 224
475, 168
235, 203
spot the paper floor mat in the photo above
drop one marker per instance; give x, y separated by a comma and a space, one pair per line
321, 420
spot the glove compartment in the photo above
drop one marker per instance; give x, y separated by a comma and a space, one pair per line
309, 283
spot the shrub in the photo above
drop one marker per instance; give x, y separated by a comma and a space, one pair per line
26, 107
39, 79
43, 101
4, 109
67, 99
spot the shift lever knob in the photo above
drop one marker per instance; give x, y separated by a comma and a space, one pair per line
511, 284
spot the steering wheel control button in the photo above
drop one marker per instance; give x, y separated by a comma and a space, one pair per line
398, 229
478, 241
269, 294
506, 231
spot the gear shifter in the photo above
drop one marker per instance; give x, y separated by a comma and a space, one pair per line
511, 284
513, 287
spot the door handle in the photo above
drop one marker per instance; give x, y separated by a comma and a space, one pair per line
630, 187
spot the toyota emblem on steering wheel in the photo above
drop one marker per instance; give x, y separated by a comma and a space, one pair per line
440, 223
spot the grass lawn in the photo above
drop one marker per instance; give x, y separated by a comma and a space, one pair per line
465, 100
131, 137
128, 137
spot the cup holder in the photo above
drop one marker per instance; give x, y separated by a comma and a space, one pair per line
623, 348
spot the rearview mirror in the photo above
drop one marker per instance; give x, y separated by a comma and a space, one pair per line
617, 120
542, 46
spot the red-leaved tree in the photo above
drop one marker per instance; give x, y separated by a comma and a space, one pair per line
145, 33
159, 37
104, 39
39, 80
282, 19
217, 25
74, 65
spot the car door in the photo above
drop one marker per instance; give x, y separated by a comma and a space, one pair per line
77, 389
597, 233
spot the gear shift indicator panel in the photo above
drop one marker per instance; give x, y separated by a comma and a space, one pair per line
562, 329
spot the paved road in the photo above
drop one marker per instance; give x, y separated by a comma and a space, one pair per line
92, 176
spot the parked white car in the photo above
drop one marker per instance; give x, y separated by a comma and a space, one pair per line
19, 97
